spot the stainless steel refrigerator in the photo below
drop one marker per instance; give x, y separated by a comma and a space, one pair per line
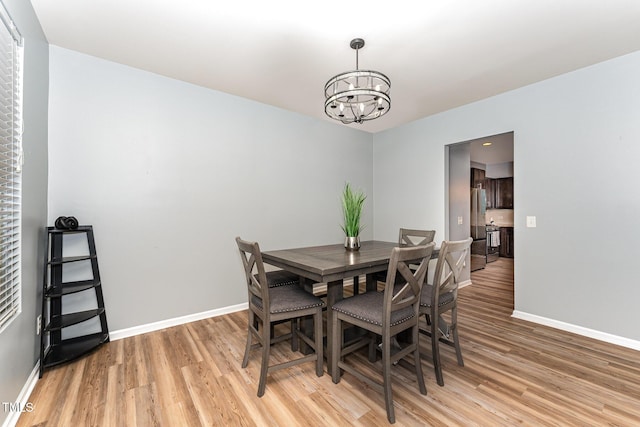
478, 228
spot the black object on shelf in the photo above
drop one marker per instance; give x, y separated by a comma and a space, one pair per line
55, 348
66, 223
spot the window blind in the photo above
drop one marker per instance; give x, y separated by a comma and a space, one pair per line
10, 168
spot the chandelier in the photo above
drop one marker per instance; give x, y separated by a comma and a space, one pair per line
359, 95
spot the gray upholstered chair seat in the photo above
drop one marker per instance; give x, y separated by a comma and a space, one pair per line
285, 298
369, 308
425, 298
281, 278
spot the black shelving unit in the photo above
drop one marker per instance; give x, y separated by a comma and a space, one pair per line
55, 347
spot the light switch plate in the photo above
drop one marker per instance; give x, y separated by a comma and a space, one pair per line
531, 221
459, 220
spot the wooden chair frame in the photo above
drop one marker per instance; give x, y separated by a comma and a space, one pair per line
405, 237
451, 262
398, 295
257, 285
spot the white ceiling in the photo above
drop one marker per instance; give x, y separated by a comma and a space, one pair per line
500, 150
439, 54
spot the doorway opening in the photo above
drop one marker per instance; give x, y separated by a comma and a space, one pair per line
482, 203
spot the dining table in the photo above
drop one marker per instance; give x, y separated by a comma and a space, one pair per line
332, 264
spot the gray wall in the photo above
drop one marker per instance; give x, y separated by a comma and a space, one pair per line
459, 188
576, 150
459, 198
19, 345
169, 173
408, 182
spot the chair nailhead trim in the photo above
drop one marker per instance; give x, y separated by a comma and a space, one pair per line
372, 322
290, 282
299, 308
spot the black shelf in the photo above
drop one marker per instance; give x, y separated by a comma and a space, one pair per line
65, 260
73, 348
62, 321
80, 229
53, 349
70, 288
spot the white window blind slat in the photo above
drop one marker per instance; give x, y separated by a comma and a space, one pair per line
10, 168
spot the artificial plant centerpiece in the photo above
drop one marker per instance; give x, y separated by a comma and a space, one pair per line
352, 202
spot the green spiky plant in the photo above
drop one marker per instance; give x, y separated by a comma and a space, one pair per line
352, 202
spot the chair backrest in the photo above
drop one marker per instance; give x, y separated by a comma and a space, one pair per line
451, 261
410, 237
403, 286
256, 276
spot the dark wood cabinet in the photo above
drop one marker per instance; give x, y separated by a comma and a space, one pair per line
477, 178
503, 193
490, 186
506, 242
499, 191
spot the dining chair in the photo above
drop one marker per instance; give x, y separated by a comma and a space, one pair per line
281, 278
410, 237
270, 305
442, 296
384, 314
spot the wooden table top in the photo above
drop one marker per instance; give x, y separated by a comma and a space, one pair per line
332, 262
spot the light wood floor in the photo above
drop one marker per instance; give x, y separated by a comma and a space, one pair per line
515, 373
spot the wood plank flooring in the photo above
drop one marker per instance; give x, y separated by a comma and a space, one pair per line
515, 372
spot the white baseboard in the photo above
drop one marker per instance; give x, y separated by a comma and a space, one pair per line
464, 283
155, 326
23, 397
162, 324
590, 333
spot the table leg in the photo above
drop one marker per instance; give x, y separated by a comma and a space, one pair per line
334, 294
372, 283
306, 324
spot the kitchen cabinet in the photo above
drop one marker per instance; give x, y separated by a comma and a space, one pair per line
490, 186
506, 242
477, 178
503, 193
499, 193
